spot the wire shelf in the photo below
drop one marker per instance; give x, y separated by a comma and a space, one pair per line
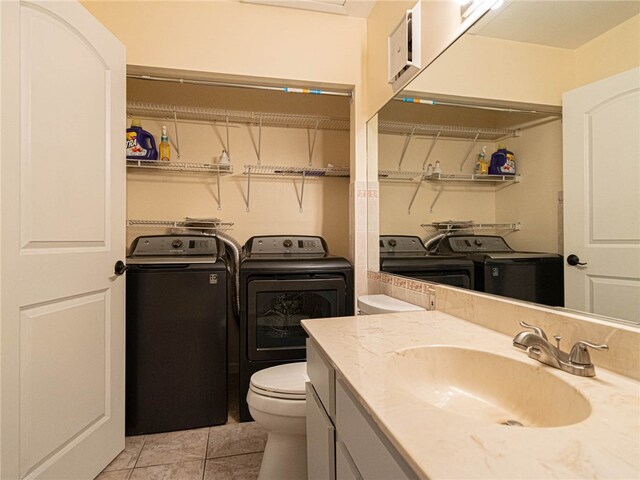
466, 133
267, 119
181, 167
192, 224
462, 177
399, 175
309, 172
469, 225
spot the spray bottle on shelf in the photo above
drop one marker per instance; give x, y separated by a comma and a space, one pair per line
481, 167
165, 146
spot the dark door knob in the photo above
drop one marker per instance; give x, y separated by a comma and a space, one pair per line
574, 260
119, 268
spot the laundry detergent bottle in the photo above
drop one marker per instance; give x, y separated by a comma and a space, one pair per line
140, 144
502, 162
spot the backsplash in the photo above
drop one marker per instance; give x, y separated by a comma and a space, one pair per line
412, 291
503, 315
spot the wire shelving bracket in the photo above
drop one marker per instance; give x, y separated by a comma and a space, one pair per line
292, 172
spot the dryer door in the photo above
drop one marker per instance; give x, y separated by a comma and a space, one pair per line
276, 307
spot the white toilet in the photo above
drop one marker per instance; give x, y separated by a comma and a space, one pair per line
277, 402
373, 304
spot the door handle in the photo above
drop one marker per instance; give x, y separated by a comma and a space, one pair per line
119, 268
574, 260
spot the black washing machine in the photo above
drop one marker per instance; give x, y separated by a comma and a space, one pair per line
407, 256
534, 277
283, 280
176, 326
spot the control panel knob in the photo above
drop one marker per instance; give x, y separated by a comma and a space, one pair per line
177, 243
287, 243
478, 242
392, 243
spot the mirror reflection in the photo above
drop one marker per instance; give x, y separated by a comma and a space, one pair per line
485, 180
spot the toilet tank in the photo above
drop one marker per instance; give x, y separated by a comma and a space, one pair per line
372, 304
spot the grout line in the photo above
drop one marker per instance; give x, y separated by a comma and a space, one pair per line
206, 450
140, 452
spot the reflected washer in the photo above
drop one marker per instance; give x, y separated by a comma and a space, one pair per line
283, 280
530, 276
407, 256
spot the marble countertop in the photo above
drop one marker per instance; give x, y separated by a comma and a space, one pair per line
438, 444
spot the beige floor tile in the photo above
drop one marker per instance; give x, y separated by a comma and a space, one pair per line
127, 458
173, 447
239, 467
236, 439
173, 471
115, 475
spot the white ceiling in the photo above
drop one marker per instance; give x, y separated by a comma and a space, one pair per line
352, 8
563, 24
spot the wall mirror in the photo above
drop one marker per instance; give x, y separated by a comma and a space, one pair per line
501, 85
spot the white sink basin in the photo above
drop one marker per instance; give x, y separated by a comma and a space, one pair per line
488, 387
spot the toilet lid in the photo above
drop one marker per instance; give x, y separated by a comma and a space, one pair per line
283, 381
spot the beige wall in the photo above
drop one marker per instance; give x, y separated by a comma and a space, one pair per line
534, 200
235, 38
614, 52
484, 67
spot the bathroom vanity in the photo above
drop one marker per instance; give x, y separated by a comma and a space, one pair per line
428, 395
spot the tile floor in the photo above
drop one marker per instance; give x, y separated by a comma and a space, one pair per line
231, 451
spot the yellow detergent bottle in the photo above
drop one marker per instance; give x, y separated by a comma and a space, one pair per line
165, 146
482, 166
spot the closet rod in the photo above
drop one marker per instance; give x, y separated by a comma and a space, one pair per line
240, 85
425, 101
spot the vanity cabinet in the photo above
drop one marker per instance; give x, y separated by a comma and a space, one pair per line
343, 441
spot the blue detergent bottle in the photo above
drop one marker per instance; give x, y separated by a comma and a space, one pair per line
502, 162
140, 144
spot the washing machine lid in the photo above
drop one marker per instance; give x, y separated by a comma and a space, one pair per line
282, 381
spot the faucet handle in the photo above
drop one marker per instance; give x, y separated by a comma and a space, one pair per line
580, 355
536, 330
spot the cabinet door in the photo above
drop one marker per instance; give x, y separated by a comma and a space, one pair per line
371, 452
323, 377
320, 439
63, 177
345, 467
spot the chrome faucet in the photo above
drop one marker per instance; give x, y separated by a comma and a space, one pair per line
538, 347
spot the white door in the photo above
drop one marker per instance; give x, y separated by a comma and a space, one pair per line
62, 194
601, 123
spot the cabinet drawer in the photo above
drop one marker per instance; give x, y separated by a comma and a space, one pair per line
320, 439
373, 455
323, 377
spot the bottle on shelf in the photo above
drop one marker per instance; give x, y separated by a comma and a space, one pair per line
165, 146
481, 167
140, 144
502, 162
224, 158
430, 170
436, 168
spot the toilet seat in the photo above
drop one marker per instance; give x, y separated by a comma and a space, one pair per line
286, 382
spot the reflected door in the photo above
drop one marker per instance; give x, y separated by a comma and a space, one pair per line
601, 125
